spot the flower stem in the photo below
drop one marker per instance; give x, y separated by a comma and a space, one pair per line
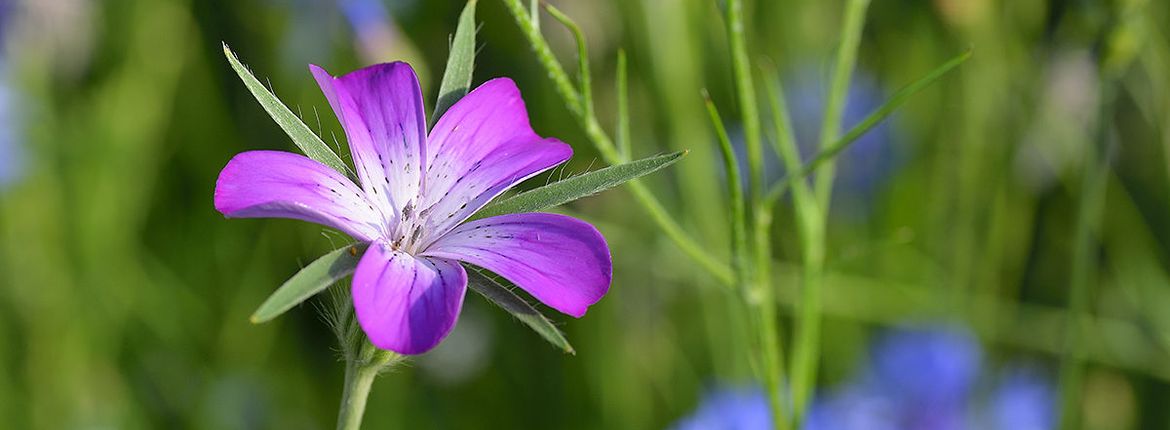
806, 353
360, 372
771, 352
1084, 269
746, 92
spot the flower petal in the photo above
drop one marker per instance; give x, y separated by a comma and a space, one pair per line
562, 261
407, 304
276, 184
381, 109
481, 147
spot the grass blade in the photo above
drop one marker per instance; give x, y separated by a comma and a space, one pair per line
460, 63
586, 90
312, 279
584, 185
496, 292
623, 108
301, 135
739, 252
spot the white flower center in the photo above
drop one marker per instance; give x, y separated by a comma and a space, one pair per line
408, 233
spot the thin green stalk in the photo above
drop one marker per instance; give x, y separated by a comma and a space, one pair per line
623, 108
770, 344
605, 147
839, 91
756, 290
1084, 269
808, 335
810, 218
360, 373
807, 210
586, 94
746, 92
784, 143
739, 246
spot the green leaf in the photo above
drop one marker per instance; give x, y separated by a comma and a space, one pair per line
312, 279
460, 63
584, 185
496, 292
300, 133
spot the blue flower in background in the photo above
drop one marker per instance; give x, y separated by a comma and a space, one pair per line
728, 408
918, 378
925, 378
934, 366
1024, 401
10, 154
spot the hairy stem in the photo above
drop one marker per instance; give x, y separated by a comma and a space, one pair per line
360, 373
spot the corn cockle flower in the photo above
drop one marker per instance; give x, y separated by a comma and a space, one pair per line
416, 189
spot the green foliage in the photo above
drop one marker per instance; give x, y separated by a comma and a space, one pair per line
583, 185
460, 63
301, 135
309, 281
495, 291
124, 296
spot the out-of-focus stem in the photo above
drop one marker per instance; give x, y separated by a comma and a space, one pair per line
808, 333
838, 92
1084, 269
739, 246
784, 143
746, 92
623, 108
752, 275
586, 93
769, 328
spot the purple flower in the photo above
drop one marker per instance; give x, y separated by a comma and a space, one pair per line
416, 189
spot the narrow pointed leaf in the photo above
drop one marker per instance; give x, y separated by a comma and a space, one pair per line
496, 292
460, 63
312, 279
301, 135
584, 185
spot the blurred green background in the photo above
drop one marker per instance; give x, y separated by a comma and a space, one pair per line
124, 296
